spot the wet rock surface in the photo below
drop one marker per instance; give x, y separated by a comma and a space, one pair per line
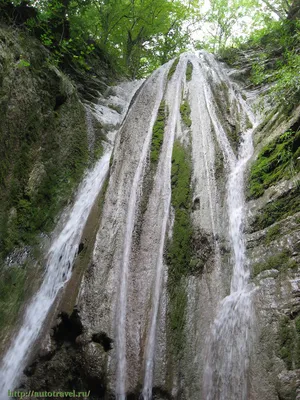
273, 243
72, 360
81, 352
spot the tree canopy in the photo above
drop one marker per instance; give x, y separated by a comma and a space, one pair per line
139, 35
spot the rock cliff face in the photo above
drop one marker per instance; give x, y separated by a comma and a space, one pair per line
49, 136
44, 152
273, 249
170, 247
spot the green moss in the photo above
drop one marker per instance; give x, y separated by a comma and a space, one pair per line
116, 108
12, 291
54, 140
289, 342
297, 328
179, 250
99, 138
286, 205
36, 210
272, 234
276, 161
173, 68
189, 71
185, 111
280, 261
158, 133
286, 342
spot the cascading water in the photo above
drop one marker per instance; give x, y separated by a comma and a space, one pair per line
235, 311
62, 253
130, 221
163, 190
228, 352
123, 297
58, 271
227, 360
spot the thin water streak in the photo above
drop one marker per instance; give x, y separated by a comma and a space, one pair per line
163, 190
128, 236
229, 346
58, 270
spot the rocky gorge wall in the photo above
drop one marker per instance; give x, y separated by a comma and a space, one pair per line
49, 137
273, 250
162, 260
165, 223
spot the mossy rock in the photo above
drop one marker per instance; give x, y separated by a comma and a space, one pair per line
173, 68
179, 249
272, 234
289, 342
281, 261
276, 161
185, 112
286, 205
44, 135
158, 132
189, 71
43, 157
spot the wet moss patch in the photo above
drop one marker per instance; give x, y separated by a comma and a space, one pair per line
286, 342
189, 71
289, 342
281, 261
286, 205
158, 133
276, 161
12, 291
34, 211
179, 250
173, 68
272, 234
185, 112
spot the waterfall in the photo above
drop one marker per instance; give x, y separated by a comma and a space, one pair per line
162, 189
58, 271
64, 248
128, 268
129, 227
228, 352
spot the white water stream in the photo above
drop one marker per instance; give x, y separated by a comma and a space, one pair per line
64, 248
130, 221
58, 271
229, 345
227, 355
163, 190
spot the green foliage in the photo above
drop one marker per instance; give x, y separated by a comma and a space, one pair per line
158, 133
280, 261
140, 34
23, 63
179, 250
189, 71
173, 69
278, 160
185, 111
279, 61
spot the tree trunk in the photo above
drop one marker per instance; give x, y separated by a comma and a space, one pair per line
294, 11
